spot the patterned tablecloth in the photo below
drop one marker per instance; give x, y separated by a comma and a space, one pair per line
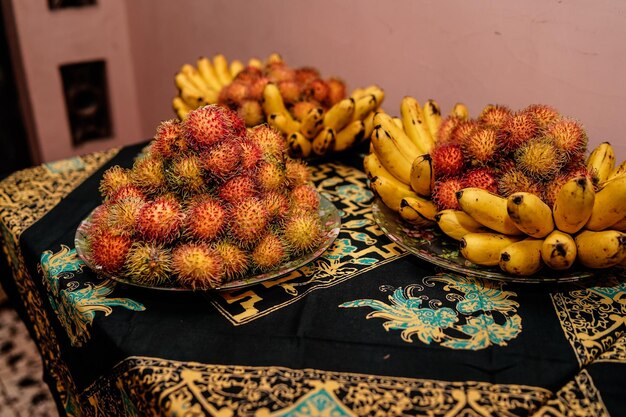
366, 329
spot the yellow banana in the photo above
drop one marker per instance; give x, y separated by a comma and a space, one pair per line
609, 206
484, 248
207, 72
426, 208
181, 108
324, 141
530, 214
363, 106
522, 258
411, 215
377, 92
558, 250
299, 146
184, 84
192, 98
573, 205
236, 66
488, 209
389, 189
274, 58
457, 223
461, 111
194, 77
620, 225
398, 122
255, 63
601, 162
619, 170
403, 142
422, 175
601, 249
339, 115
357, 93
312, 122
368, 123
390, 156
432, 114
283, 123
348, 136
273, 101
415, 125
221, 69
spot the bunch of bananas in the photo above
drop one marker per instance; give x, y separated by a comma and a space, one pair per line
313, 114
520, 232
345, 124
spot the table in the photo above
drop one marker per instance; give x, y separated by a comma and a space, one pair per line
364, 330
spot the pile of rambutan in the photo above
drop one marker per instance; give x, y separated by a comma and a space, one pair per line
207, 203
535, 150
302, 89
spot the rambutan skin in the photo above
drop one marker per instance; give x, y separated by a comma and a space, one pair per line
185, 176
543, 115
270, 141
305, 197
271, 176
249, 220
444, 193
148, 174
483, 178
160, 220
211, 124
494, 115
269, 252
447, 127
514, 180
238, 188
302, 232
169, 139
539, 159
448, 160
480, 146
517, 130
197, 266
569, 136
206, 218
223, 160
109, 249
235, 261
149, 263
297, 172
114, 179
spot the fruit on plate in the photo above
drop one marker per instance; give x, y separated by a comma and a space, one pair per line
208, 202
314, 114
516, 188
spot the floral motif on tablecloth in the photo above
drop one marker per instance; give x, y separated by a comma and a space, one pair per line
360, 247
195, 389
476, 313
593, 318
75, 303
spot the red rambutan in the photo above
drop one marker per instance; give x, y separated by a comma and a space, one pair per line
306, 75
569, 136
319, 90
336, 90
297, 172
109, 249
206, 218
444, 134
514, 180
494, 115
251, 154
169, 139
148, 174
148, 263
543, 115
223, 159
249, 219
269, 252
447, 160
237, 188
271, 142
251, 112
127, 191
255, 92
517, 130
185, 175
463, 130
211, 124
305, 197
289, 90
276, 204
480, 178
444, 193
160, 220
480, 146
271, 175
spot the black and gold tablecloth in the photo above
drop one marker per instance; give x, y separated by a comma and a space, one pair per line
366, 329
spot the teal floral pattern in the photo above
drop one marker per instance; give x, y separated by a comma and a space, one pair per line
76, 304
476, 313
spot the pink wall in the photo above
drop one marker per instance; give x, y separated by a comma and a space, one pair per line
571, 55
48, 39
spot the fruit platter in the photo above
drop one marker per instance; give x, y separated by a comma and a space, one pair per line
208, 205
507, 195
316, 115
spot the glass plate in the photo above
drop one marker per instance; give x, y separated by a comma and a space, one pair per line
331, 224
432, 245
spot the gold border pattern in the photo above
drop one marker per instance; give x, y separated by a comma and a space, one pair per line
162, 387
